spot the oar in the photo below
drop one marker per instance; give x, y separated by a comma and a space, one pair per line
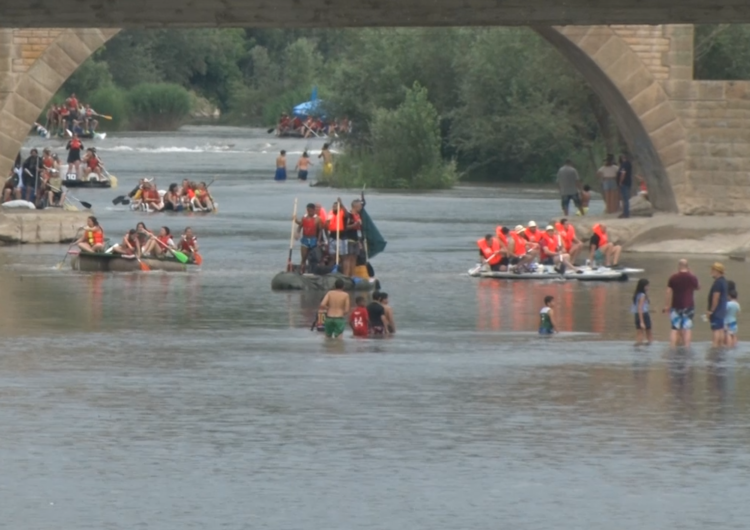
106, 117
86, 205
112, 179
144, 267
181, 257
269, 131
338, 232
117, 200
289, 266
59, 266
478, 268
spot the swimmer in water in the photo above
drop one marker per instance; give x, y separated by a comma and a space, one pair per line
547, 317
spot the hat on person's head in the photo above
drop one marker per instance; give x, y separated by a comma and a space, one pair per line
532, 224
718, 267
549, 227
518, 228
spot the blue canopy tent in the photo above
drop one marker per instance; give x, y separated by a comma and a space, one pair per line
309, 108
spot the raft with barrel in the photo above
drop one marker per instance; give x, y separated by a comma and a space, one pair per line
102, 262
294, 281
94, 184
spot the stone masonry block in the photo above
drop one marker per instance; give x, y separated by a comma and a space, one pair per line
595, 40
74, 47
575, 33
681, 72
648, 99
60, 61
9, 146
92, 38
711, 90
667, 135
43, 74
673, 154
23, 109
33, 91
14, 127
657, 117
731, 164
622, 68
720, 150
678, 58
740, 150
610, 52
704, 163
737, 90
639, 81
681, 89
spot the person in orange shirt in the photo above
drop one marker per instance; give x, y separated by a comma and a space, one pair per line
571, 243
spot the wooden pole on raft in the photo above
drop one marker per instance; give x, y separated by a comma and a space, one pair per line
338, 232
289, 266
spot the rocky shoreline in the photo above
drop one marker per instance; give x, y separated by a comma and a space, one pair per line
40, 226
726, 235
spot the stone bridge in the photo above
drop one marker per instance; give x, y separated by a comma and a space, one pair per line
690, 139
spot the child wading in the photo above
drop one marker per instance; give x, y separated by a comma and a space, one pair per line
730, 319
547, 317
640, 309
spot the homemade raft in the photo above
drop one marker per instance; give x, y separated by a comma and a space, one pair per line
292, 281
100, 262
602, 274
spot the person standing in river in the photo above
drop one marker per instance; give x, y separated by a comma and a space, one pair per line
625, 181
717, 304
569, 184
303, 164
680, 304
327, 157
336, 305
280, 167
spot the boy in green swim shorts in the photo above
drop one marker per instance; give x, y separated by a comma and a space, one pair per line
336, 305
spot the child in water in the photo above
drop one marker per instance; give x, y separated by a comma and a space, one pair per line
585, 200
640, 309
730, 319
359, 319
547, 317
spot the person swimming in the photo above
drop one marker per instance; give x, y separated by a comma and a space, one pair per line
547, 317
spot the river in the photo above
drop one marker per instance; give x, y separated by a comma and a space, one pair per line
202, 400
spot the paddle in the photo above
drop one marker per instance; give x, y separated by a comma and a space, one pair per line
478, 268
106, 117
144, 267
86, 205
112, 179
181, 257
269, 131
59, 266
289, 266
338, 238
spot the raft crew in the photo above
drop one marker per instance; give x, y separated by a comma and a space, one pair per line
601, 249
189, 243
159, 245
130, 245
92, 165
72, 116
190, 196
92, 239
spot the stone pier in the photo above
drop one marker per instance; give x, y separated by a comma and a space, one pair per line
40, 226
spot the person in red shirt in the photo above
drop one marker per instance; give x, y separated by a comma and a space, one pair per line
359, 319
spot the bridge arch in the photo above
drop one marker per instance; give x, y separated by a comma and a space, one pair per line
637, 72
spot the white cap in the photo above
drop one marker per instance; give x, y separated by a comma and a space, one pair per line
550, 227
518, 228
532, 223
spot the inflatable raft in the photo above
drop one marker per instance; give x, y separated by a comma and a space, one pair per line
99, 262
586, 274
293, 281
72, 182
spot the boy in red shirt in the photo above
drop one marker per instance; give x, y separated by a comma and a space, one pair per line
359, 320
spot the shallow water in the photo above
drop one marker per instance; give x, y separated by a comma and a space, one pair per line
201, 400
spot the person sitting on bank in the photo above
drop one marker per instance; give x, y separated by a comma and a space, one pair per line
92, 239
601, 249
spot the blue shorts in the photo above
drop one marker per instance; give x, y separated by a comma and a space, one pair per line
682, 318
599, 255
343, 247
545, 331
609, 184
646, 321
731, 327
280, 173
565, 201
309, 242
302, 175
716, 323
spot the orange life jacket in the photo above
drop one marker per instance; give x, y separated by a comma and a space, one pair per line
602, 236
567, 234
502, 237
336, 222
550, 245
94, 236
491, 254
323, 215
533, 237
310, 226
520, 247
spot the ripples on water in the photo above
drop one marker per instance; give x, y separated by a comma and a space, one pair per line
203, 401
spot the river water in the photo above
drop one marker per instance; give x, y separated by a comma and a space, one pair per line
202, 400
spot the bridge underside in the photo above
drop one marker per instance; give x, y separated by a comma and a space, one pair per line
355, 13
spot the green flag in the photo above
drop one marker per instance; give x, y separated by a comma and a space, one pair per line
374, 241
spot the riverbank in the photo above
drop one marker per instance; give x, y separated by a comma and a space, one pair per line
677, 234
40, 226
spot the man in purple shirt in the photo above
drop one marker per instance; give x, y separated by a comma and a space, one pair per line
680, 304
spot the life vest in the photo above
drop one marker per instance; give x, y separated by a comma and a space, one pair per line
360, 271
191, 194
567, 235
93, 163
187, 244
75, 143
310, 226
165, 239
602, 236
322, 215
550, 245
151, 195
48, 162
520, 245
94, 236
502, 237
533, 237
491, 254
336, 222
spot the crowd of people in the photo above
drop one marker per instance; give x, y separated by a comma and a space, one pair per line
188, 196
365, 320
72, 117
615, 182
303, 164
139, 242
522, 249
311, 126
333, 241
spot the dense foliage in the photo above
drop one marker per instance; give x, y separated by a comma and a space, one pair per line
498, 103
